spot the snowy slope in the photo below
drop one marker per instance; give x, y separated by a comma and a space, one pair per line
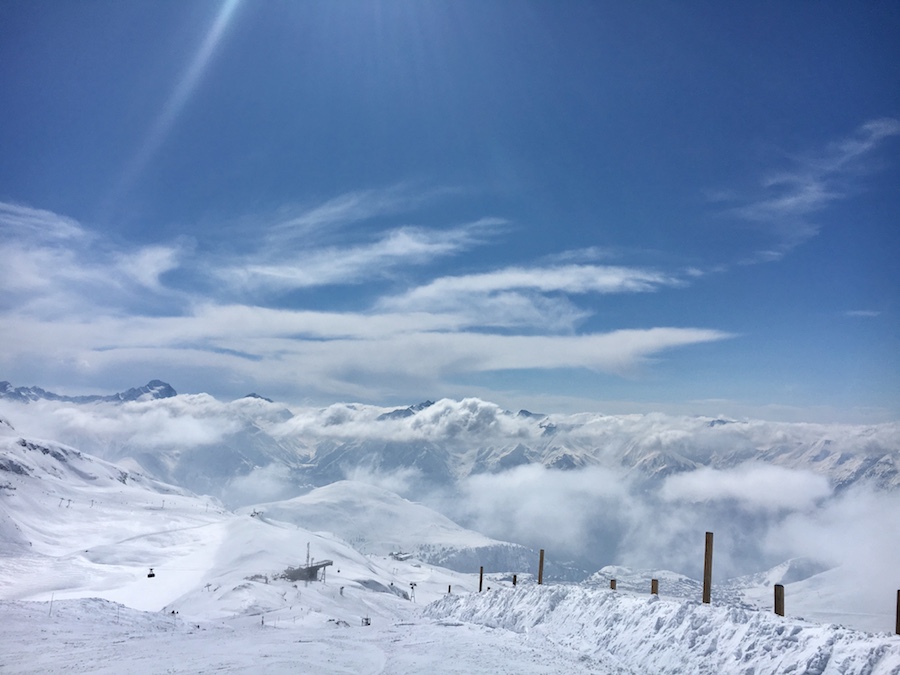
98, 637
80, 535
530, 629
378, 521
76, 526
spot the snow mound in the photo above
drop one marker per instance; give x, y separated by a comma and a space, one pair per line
651, 635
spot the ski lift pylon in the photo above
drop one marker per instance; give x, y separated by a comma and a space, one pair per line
151, 574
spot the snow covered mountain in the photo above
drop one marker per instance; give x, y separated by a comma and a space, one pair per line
381, 522
154, 389
583, 486
75, 526
206, 445
106, 568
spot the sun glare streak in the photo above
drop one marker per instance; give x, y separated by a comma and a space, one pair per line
186, 86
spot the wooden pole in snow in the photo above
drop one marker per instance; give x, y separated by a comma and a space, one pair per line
779, 599
654, 586
707, 569
612, 584
898, 612
480, 578
514, 579
541, 569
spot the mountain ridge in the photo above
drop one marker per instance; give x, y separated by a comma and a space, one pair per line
154, 389
443, 442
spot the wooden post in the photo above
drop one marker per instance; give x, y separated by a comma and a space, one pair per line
514, 579
779, 599
612, 584
654, 586
707, 569
448, 589
541, 569
898, 612
480, 578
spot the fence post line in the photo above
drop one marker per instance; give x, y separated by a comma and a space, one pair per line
612, 584
654, 587
541, 569
779, 599
480, 578
707, 569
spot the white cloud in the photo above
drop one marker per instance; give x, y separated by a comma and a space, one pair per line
355, 263
755, 486
345, 209
83, 306
52, 267
466, 421
843, 153
558, 510
566, 278
400, 482
263, 484
170, 423
147, 264
525, 296
23, 222
329, 352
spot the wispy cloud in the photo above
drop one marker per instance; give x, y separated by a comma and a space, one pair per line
51, 266
354, 263
25, 223
346, 209
862, 313
526, 296
148, 264
567, 278
843, 154
582, 255
788, 199
330, 354
89, 307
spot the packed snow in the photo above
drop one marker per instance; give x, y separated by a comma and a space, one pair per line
651, 635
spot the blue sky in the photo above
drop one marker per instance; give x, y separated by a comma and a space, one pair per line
559, 206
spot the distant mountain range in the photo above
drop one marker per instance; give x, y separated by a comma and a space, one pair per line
154, 389
446, 441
